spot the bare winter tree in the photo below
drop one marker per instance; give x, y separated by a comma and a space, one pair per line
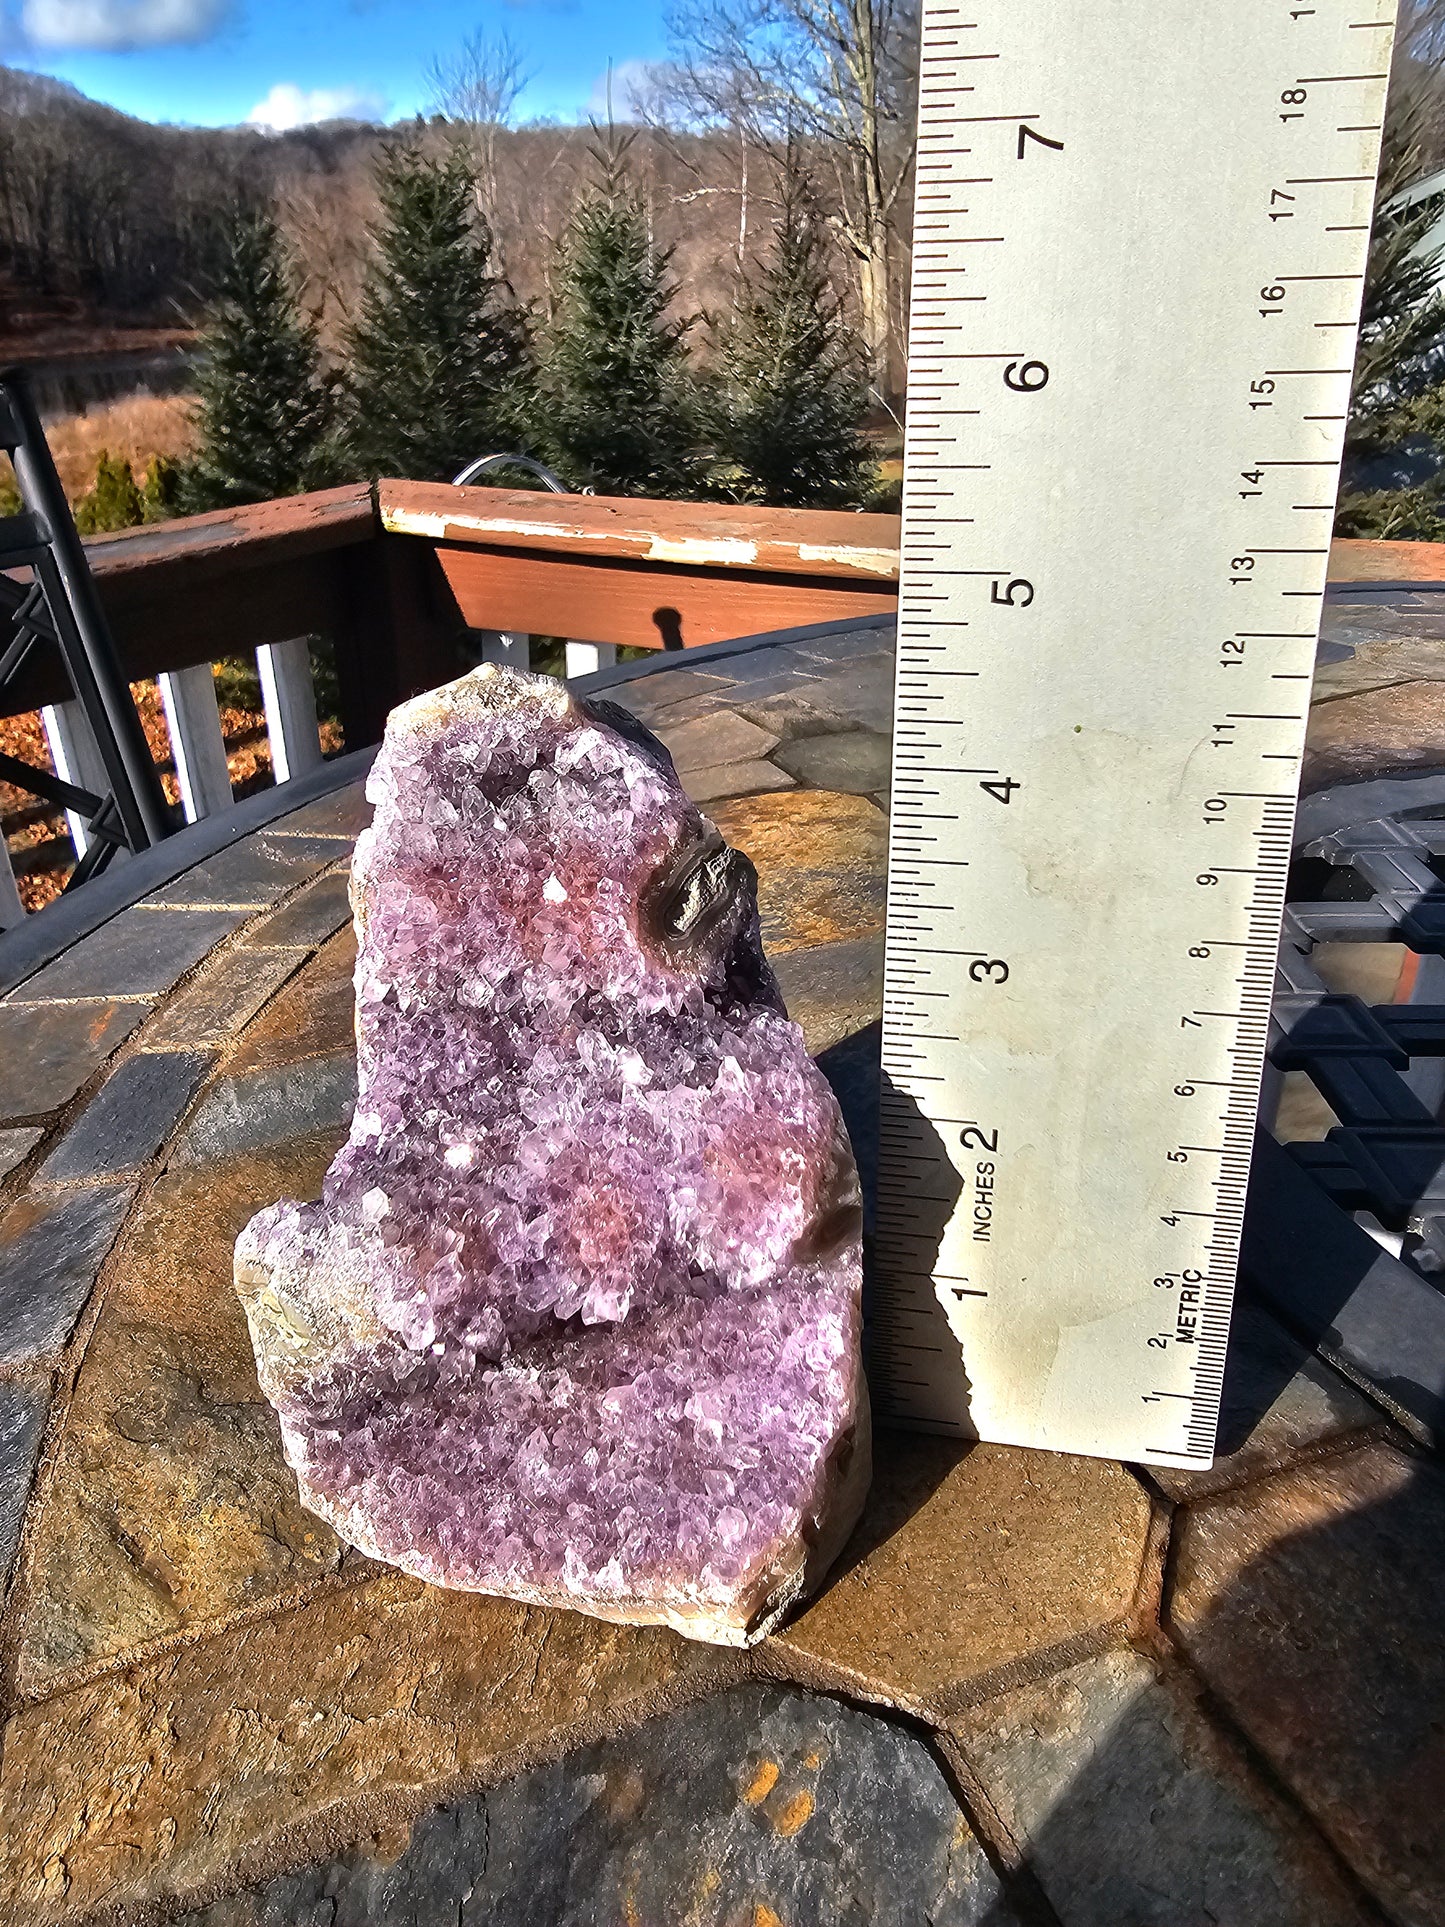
476, 90
840, 73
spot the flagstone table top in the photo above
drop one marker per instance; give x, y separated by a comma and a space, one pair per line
1035, 1688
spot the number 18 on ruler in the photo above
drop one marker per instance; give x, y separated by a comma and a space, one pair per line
1138, 255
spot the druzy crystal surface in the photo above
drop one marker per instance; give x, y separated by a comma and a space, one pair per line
576, 1319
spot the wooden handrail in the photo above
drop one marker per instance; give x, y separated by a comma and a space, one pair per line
652, 574
395, 573
711, 535
1356, 561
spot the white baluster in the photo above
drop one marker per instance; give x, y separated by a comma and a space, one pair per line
289, 698
197, 744
76, 756
510, 646
584, 657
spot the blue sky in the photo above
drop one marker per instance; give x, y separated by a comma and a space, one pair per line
215, 62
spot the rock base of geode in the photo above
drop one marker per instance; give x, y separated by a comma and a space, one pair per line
576, 1319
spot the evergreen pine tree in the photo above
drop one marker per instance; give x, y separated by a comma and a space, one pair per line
1393, 484
793, 384
113, 502
438, 355
159, 490
265, 409
618, 409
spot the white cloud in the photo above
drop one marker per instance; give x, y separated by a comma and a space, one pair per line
631, 82
288, 106
114, 26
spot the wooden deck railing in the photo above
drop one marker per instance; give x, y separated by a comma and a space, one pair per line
412, 580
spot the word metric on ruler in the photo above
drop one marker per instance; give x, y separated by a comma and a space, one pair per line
1138, 258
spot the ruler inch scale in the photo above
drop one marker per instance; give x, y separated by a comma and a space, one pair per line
1142, 240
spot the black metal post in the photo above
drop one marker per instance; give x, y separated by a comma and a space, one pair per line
94, 665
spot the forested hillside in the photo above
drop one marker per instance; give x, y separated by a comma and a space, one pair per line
122, 222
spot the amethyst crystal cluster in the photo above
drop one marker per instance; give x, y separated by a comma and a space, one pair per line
576, 1319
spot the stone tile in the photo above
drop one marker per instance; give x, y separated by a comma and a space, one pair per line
48, 1051
1381, 733
169, 1502
153, 1782
270, 1106
860, 691
822, 864
709, 740
851, 645
735, 779
756, 1806
1381, 658
1279, 1400
52, 1245
130, 1117
221, 1000
1117, 1796
140, 953
311, 916
22, 1420
15, 1146
255, 871
969, 1559
856, 761
343, 814
663, 687
1311, 1604
834, 990
314, 1014
777, 681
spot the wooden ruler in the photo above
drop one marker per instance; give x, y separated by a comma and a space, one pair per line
1139, 250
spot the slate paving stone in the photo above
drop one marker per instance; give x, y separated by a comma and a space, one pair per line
1116, 1793
52, 1245
22, 1420
656, 715
1279, 1400
1382, 733
969, 1559
220, 1001
148, 1784
15, 1146
735, 779
312, 915
255, 871
856, 761
759, 1806
130, 1116
169, 1503
47, 1051
822, 864
662, 687
709, 740
833, 990
1311, 1604
140, 953
1388, 648
315, 1014
269, 1106
343, 814
862, 692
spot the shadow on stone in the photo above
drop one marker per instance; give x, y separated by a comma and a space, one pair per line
907, 1467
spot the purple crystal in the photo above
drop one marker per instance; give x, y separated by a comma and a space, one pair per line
576, 1319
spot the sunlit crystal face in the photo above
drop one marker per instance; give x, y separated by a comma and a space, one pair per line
596, 1208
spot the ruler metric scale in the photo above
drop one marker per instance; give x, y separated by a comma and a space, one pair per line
1140, 241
